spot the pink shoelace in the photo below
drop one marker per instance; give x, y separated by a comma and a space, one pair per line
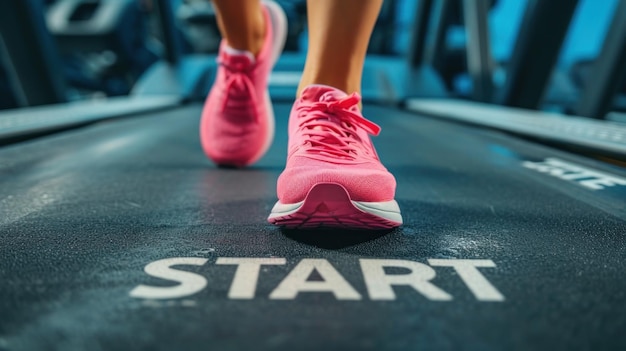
241, 93
329, 129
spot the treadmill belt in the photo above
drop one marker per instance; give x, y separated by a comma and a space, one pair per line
123, 236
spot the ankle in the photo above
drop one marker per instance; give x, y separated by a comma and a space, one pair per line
342, 86
252, 39
345, 84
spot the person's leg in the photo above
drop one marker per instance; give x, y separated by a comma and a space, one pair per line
241, 23
333, 176
237, 124
339, 32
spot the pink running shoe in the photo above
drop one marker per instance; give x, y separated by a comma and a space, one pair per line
333, 176
237, 124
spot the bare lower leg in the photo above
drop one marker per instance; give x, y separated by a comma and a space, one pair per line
241, 23
339, 32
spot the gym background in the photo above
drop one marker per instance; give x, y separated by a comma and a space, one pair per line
124, 40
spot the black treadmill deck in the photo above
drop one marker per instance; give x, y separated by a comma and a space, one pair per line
83, 212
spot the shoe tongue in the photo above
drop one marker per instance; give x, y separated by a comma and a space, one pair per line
322, 93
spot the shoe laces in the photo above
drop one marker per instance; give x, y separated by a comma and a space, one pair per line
330, 130
240, 92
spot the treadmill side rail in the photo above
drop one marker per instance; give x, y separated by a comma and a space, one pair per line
598, 136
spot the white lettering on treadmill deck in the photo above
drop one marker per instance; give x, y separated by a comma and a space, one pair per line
297, 281
379, 283
482, 289
190, 283
589, 178
247, 274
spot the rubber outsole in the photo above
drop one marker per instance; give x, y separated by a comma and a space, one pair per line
328, 205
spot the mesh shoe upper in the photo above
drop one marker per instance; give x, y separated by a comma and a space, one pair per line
329, 143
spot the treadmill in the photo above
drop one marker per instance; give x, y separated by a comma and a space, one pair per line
118, 234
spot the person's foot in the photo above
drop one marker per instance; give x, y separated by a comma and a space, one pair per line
237, 125
333, 177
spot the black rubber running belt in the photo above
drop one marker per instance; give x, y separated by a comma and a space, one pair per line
506, 245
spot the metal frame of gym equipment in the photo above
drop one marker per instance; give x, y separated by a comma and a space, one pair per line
533, 59
608, 70
537, 49
528, 80
479, 58
168, 26
417, 46
384, 29
436, 45
429, 35
26, 42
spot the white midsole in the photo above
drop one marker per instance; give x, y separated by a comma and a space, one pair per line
386, 209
